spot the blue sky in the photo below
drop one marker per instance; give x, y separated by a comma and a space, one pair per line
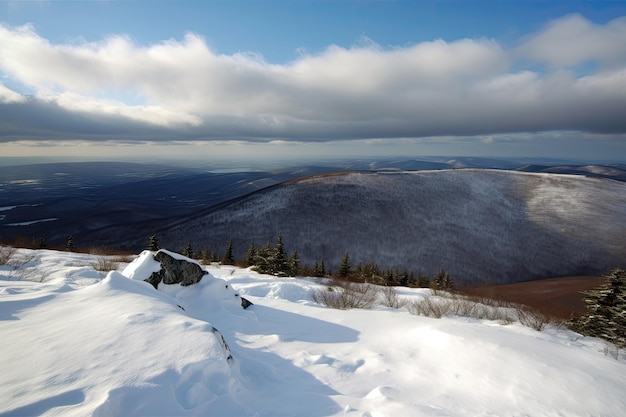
304, 79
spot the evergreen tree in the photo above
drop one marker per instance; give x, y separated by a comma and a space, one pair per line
69, 246
153, 244
208, 256
280, 257
250, 255
423, 281
188, 251
319, 270
442, 281
403, 278
606, 310
294, 264
389, 278
264, 261
228, 258
344, 267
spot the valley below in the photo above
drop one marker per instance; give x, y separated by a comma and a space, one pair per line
482, 220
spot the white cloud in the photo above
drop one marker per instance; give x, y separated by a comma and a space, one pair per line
574, 40
466, 87
155, 115
9, 96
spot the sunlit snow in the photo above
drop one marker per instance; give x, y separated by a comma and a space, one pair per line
77, 342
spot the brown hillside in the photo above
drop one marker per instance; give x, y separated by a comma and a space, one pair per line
560, 297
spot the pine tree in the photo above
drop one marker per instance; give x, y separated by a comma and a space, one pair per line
344, 267
69, 246
188, 251
153, 244
294, 264
403, 278
442, 281
250, 255
423, 281
228, 258
606, 310
208, 256
264, 261
280, 257
319, 270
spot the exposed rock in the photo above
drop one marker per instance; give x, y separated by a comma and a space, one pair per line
222, 341
245, 303
175, 271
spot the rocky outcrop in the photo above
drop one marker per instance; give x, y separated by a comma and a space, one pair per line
180, 271
175, 271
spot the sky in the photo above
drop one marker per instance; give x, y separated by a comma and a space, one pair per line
297, 79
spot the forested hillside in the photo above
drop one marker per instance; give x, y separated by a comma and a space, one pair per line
480, 225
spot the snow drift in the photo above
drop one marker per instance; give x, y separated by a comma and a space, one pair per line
83, 344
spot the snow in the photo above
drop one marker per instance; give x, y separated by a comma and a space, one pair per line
85, 343
51, 219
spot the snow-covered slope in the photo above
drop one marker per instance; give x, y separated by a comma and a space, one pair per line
82, 344
480, 225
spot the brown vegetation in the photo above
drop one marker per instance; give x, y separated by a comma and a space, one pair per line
558, 297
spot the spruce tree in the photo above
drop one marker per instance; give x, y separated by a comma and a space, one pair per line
294, 264
344, 267
442, 281
228, 258
423, 281
280, 257
319, 270
250, 255
208, 256
265, 261
153, 244
69, 246
188, 251
606, 310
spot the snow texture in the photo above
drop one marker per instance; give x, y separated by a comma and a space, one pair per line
84, 344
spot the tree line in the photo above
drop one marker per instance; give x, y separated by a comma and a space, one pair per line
275, 260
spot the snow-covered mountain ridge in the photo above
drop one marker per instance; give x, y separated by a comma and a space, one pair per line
489, 226
85, 343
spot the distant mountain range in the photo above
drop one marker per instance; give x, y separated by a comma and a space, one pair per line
494, 225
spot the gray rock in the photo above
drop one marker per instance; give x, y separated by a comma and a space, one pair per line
245, 303
175, 271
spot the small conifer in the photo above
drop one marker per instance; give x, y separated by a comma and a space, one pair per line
606, 310
344, 267
188, 251
228, 258
153, 244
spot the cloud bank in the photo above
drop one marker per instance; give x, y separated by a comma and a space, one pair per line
569, 76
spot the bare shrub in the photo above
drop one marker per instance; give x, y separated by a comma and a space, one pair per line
430, 308
390, 298
532, 318
461, 306
22, 267
345, 295
19, 263
447, 303
6, 254
102, 262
